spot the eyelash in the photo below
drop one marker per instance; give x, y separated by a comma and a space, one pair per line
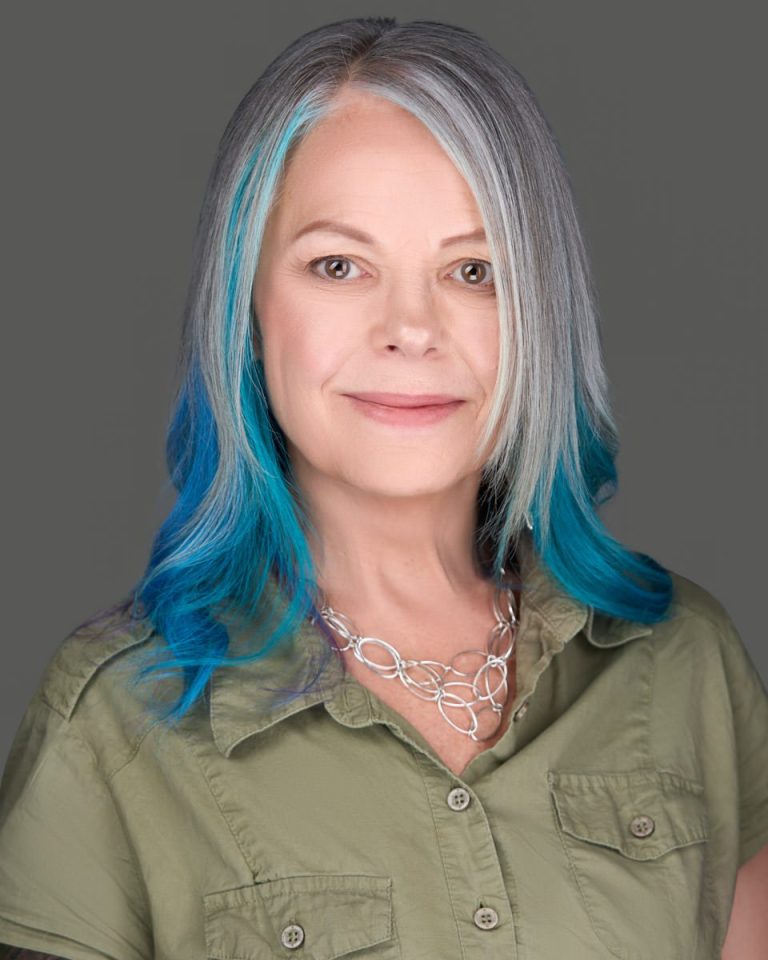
489, 286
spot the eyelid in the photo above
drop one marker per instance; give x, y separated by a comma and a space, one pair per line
341, 256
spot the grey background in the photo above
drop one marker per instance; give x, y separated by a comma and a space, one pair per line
111, 116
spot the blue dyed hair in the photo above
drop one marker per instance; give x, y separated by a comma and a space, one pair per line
238, 524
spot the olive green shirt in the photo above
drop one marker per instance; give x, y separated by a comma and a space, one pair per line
609, 820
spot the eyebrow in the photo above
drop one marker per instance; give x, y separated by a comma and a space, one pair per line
345, 230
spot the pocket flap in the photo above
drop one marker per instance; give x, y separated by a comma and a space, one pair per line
336, 914
641, 813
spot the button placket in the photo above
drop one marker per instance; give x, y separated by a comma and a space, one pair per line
467, 839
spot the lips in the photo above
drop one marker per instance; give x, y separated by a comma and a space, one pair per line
406, 400
405, 409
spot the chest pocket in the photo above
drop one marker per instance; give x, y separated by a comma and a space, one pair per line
313, 917
636, 844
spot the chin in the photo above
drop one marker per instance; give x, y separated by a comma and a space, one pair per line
401, 481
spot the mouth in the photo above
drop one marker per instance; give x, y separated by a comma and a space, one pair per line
406, 400
405, 410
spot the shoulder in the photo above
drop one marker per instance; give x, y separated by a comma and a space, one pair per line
700, 633
84, 652
89, 683
697, 618
693, 602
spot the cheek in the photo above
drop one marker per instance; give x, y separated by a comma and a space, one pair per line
480, 348
300, 357
489, 358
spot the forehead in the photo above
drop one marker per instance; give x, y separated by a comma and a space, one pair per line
369, 159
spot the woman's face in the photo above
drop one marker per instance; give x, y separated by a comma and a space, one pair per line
389, 305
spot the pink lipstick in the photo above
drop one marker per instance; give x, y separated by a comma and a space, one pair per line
405, 409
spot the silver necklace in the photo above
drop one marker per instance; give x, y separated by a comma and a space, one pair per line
432, 684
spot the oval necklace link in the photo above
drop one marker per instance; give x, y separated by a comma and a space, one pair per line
434, 684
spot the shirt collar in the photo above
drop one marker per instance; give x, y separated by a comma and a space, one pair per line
250, 697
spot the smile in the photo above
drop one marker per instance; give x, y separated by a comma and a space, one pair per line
403, 410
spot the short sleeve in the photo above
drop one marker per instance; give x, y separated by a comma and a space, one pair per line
749, 704
69, 883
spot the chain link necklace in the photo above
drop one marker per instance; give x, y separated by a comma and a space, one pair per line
426, 679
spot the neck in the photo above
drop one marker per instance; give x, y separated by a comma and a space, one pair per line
376, 552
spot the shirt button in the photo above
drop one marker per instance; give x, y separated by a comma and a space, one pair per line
486, 918
458, 798
521, 711
642, 826
292, 936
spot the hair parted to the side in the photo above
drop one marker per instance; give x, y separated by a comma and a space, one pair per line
238, 519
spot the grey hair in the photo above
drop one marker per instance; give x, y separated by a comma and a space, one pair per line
551, 441
483, 114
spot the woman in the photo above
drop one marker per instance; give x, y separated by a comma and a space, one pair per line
388, 687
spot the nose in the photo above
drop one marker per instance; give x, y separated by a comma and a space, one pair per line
410, 321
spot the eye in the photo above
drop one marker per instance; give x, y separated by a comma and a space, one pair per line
474, 277
334, 269
474, 273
